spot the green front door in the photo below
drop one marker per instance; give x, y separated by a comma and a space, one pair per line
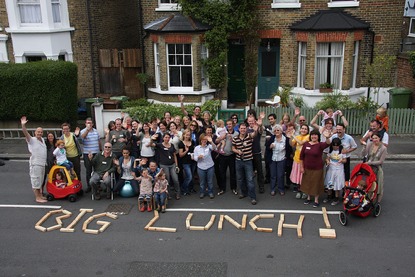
268, 70
236, 78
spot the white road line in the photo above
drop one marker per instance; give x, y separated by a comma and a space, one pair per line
31, 206
251, 211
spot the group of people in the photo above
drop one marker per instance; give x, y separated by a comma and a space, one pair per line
167, 157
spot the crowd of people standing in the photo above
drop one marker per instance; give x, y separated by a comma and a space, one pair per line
312, 160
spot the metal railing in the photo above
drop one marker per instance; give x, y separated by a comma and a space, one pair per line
15, 133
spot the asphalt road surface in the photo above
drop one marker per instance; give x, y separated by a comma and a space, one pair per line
382, 246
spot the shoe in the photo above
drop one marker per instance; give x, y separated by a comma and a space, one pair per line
177, 196
97, 196
143, 207
298, 195
193, 191
295, 189
202, 195
163, 210
335, 202
315, 205
282, 193
307, 202
221, 192
272, 193
88, 190
261, 190
149, 208
211, 196
234, 192
241, 196
326, 200
253, 202
304, 196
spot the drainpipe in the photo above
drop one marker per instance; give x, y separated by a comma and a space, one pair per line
91, 48
372, 47
142, 37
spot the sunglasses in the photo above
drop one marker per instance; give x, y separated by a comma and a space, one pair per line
193, 125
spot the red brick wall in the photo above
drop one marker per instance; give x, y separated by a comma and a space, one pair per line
404, 75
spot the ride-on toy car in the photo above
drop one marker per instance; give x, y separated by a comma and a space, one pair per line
69, 187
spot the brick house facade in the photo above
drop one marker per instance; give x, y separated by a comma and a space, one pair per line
276, 17
90, 26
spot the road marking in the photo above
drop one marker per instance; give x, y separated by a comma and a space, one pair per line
31, 206
251, 211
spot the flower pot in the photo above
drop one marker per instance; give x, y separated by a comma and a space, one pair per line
325, 90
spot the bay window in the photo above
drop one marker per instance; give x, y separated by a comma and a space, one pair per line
180, 65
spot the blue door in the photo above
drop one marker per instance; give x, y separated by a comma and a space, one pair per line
268, 69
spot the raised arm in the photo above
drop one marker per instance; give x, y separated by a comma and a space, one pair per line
23, 121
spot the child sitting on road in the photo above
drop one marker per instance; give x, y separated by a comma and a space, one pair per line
146, 190
60, 180
160, 191
61, 159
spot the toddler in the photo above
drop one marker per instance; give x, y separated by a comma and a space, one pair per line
60, 180
354, 196
220, 131
382, 116
329, 114
146, 190
61, 159
160, 191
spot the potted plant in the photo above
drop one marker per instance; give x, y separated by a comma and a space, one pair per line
326, 87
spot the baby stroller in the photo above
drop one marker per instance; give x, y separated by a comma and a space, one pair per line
72, 188
360, 202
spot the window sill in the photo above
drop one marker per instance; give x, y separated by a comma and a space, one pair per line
38, 30
184, 91
285, 5
168, 8
343, 4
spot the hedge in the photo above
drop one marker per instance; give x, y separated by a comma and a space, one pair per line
43, 91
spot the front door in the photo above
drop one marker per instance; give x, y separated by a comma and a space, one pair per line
268, 69
236, 77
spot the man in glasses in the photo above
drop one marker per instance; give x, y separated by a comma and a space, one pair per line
104, 166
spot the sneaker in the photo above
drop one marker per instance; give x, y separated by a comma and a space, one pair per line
326, 200
201, 195
261, 190
315, 205
335, 202
272, 193
241, 196
163, 210
253, 202
149, 208
307, 202
295, 189
234, 191
304, 196
211, 196
97, 196
142, 208
298, 195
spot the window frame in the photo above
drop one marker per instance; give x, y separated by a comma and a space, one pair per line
204, 54
166, 7
285, 4
302, 63
177, 57
411, 25
343, 3
22, 3
56, 3
329, 57
355, 61
156, 65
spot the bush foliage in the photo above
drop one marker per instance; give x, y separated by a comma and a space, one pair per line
43, 91
145, 111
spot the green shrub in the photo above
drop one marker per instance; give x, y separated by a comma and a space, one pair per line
336, 101
146, 112
43, 91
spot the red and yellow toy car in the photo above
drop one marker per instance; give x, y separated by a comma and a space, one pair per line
61, 184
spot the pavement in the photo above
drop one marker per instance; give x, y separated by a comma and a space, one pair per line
400, 147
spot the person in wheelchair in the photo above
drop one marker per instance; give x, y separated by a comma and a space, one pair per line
104, 166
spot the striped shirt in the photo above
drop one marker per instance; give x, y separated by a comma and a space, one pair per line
91, 141
245, 145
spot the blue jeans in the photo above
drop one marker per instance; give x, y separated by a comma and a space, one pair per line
206, 179
160, 198
188, 179
245, 178
277, 170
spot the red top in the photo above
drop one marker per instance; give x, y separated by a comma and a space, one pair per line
312, 155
